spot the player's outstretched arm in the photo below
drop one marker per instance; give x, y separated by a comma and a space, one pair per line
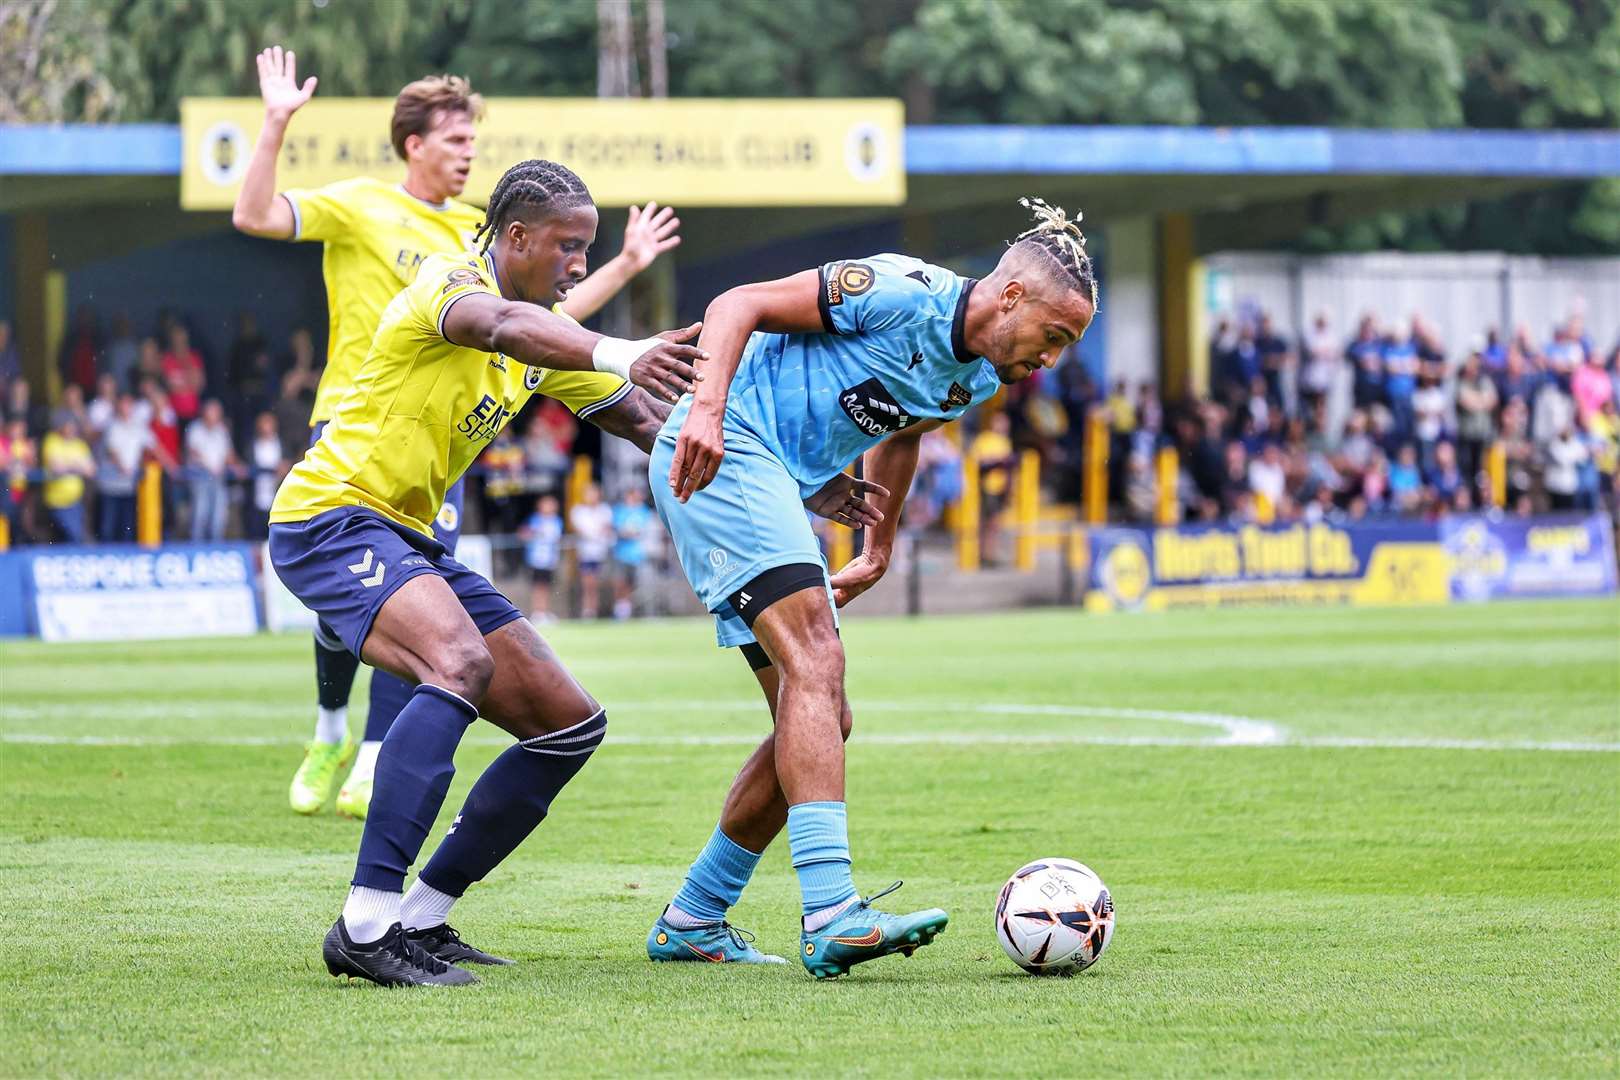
637, 418
784, 306
890, 465
259, 211
532, 335
651, 232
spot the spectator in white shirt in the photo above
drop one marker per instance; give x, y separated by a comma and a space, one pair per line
99, 413
1267, 477
211, 459
592, 523
268, 467
1562, 476
124, 446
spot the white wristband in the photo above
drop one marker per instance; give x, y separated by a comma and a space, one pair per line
615, 355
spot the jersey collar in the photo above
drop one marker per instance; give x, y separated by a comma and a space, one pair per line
430, 205
488, 255
959, 324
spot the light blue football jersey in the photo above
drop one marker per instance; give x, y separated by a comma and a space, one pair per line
892, 355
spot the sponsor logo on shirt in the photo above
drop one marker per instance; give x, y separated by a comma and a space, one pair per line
486, 419
532, 377
874, 410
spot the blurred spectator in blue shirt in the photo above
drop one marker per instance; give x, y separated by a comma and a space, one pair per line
1400, 376
1405, 481
1366, 356
632, 519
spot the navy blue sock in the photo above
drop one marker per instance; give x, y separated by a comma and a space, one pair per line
414, 768
334, 670
508, 801
389, 695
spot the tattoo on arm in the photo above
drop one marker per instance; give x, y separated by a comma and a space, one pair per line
636, 417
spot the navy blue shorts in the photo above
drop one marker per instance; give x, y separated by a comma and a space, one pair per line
345, 563
447, 523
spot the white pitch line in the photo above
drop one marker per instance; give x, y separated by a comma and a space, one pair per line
1235, 731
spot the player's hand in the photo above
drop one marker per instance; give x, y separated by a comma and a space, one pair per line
666, 371
698, 451
858, 575
844, 500
652, 231
278, 83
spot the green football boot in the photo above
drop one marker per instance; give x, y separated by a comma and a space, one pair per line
354, 798
861, 933
711, 943
312, 783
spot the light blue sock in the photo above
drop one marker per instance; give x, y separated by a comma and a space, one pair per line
818, 834
716, 879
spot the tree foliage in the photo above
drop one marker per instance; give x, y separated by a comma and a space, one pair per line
58, 62
1357, 63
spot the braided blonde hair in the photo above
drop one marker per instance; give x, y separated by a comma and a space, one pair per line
1062, 241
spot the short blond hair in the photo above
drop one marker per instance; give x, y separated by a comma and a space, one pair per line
417, 106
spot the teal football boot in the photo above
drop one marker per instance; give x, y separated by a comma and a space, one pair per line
861, 933
712, 943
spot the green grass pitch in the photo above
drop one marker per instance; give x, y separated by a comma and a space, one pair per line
1343, 843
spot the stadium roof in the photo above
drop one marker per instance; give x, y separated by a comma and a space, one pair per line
1247, 186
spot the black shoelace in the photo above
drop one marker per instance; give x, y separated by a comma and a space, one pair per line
412, 953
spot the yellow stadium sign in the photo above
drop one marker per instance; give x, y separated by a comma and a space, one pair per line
825, 152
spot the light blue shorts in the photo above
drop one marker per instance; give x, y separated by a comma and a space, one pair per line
749, 519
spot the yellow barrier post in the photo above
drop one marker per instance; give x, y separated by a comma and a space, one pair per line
1027, 507
579, 478
5, 533
149, 506
967, 515
840, 545
1096, 477
1185, 371
1167, 468
1496, 470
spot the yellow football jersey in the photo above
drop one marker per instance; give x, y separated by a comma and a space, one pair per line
376, 235
421, 409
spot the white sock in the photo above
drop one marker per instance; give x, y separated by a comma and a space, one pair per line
425, 907
365, 762
331, 725
817, 919
368, 913
680, 920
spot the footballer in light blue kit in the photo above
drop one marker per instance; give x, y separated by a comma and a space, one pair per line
806, 374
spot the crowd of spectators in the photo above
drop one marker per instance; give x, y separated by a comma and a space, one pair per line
221, 431
1376, 419
1380, 420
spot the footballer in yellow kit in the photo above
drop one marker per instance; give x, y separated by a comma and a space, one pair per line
376, 235
421, 409
351, 536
